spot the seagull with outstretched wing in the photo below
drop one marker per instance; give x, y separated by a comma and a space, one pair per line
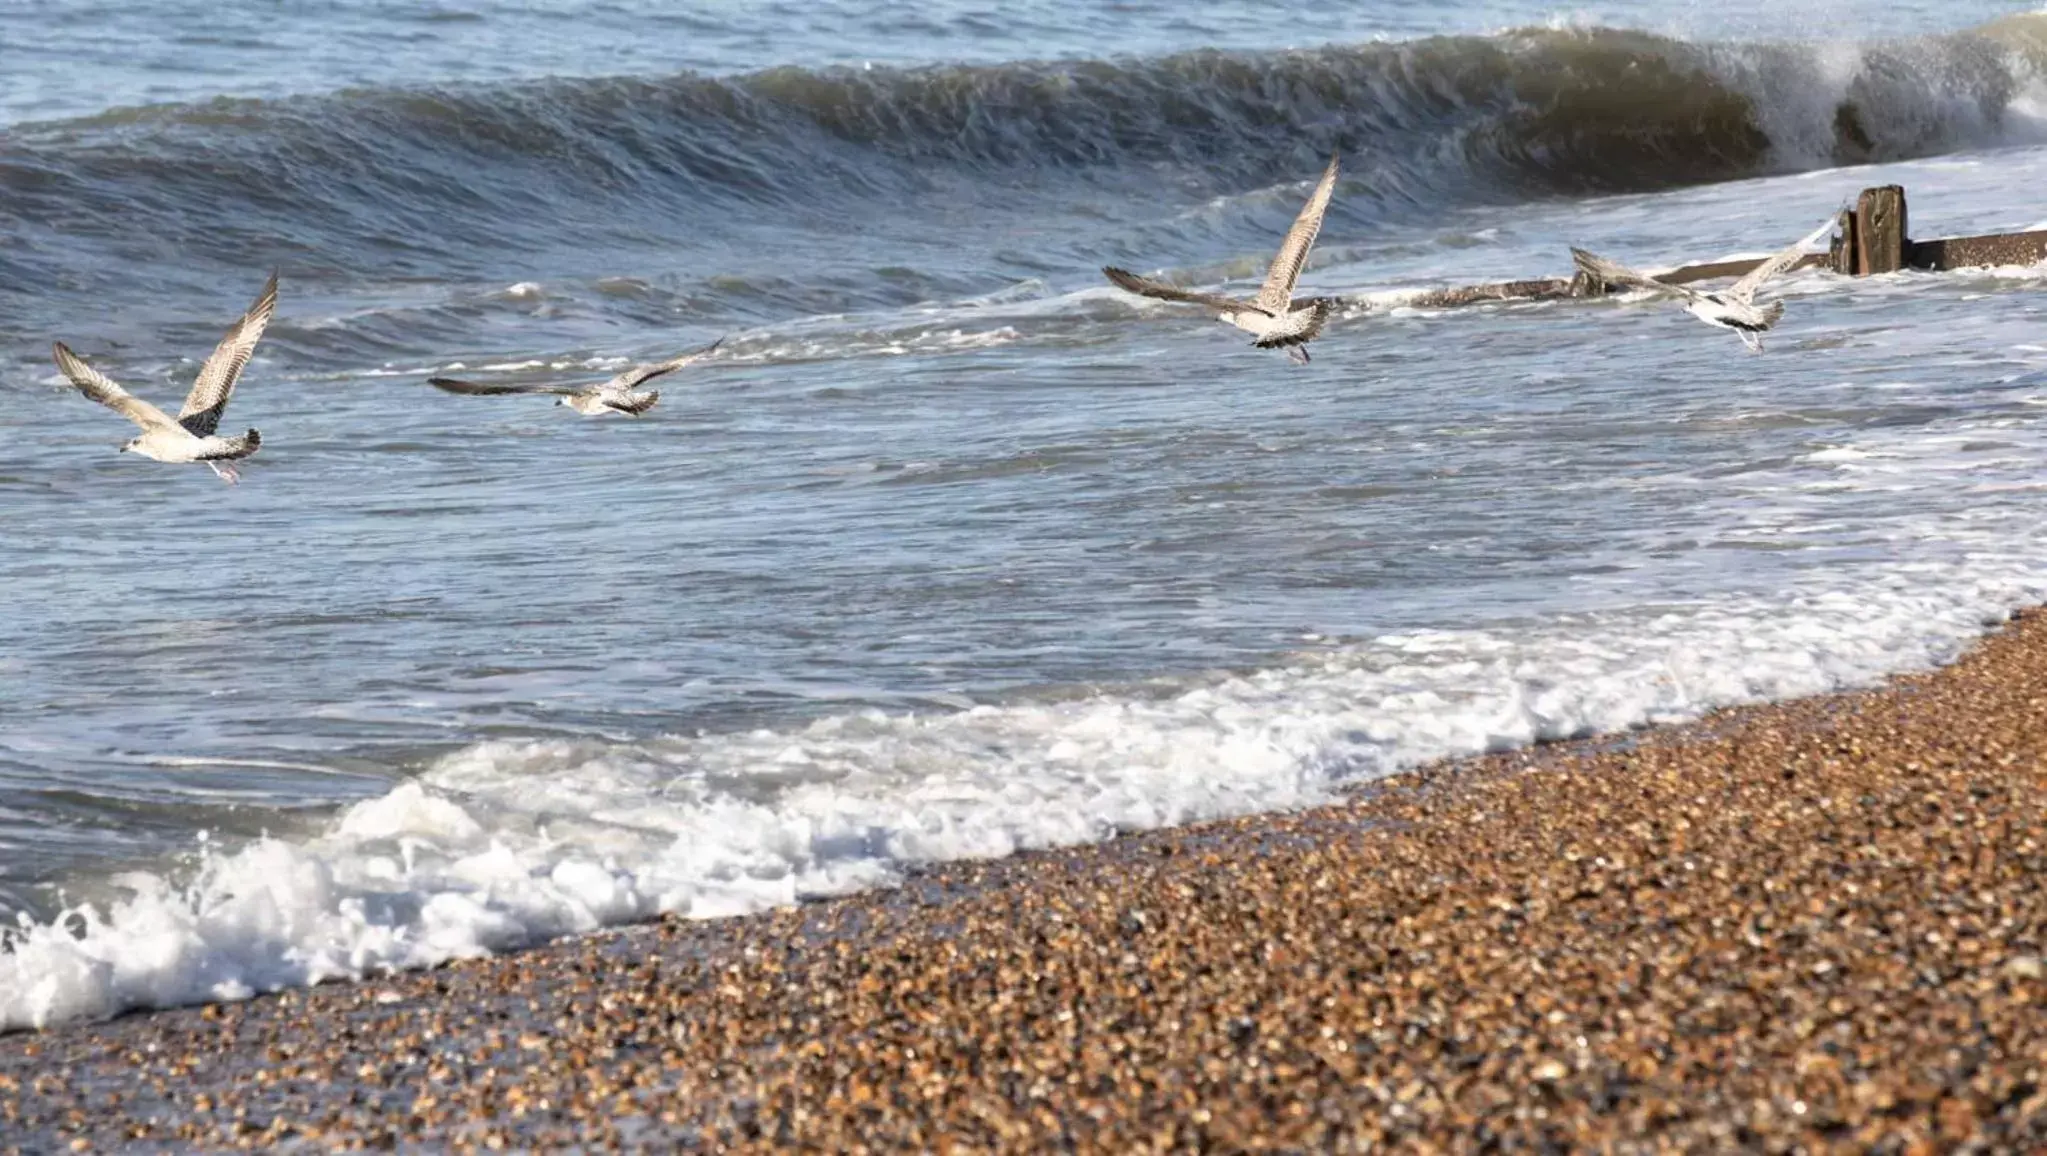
193, 436
1732, 308
620, 394
1273, 318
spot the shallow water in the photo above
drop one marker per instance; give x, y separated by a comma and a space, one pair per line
953, 549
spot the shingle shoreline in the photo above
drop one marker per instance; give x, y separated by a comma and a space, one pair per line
1817, 923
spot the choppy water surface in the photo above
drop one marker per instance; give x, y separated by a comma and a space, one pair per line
953, 549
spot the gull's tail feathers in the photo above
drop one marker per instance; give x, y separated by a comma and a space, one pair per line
235, 448
1299, 326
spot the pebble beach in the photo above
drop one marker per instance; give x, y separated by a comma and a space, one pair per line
1808, 925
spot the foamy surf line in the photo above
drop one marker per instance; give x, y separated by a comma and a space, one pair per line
506, 844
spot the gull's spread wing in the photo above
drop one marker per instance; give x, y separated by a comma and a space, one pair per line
473, 389
101, 388
1745, 289
1146, 287
1614, 273
1277, 294
216, 382
641, 374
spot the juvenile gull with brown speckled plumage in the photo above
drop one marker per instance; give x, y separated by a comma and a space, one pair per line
1273, 318
619, 394
192, 437
1734, 308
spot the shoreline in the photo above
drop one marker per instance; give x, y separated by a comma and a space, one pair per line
1814, 922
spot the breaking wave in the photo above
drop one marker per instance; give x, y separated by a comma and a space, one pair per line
393, 179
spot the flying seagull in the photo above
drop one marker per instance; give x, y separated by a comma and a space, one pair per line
1733, 308
1273, 318
621, 394
192, 437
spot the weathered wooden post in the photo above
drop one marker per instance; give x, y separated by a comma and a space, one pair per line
1841, 251
1880, 231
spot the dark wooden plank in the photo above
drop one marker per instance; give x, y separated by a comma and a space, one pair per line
1691, 273
1541, 289
1552, 288
1968, 252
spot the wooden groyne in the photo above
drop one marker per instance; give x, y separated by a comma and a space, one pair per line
1873, 237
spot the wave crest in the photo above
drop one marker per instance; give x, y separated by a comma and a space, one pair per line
402, 181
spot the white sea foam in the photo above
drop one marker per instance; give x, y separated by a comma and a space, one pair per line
1836, 454
506, 843
795, 346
